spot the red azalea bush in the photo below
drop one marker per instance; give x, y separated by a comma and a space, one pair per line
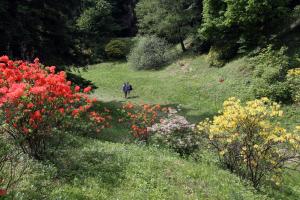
35, 99
141, 117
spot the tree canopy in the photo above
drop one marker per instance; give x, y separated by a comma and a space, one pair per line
171, 19
77, 31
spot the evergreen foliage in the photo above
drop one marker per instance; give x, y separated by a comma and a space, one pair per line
173, 20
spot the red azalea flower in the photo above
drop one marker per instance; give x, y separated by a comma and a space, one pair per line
77, 88
10, 63
30, 105
37, 115
25, 130
75, 112
4, 59
3, 192
61, 110
36, 60
87, 89
3, 90
52, 69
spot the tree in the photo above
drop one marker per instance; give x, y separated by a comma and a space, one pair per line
96, 16
250, 21
27, 27
101, 20
171, 19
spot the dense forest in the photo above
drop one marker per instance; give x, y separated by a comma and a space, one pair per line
76, 31
58, 32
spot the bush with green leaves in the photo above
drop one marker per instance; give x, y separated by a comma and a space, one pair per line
117, 49
293, 80
176, 133
150, 52
247, 21
270, 69
248, 141
219, 55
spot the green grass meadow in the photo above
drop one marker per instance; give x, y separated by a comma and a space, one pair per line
197, 89
113, 166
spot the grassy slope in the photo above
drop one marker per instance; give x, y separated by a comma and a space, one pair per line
194, 86
102, 170
111, 168
89, 169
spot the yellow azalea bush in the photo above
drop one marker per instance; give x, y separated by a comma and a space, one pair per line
293, 78
247, 141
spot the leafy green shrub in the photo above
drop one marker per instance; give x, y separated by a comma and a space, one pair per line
150, 52
175, 132
199, 46
219, 55
117, 49
270, 69
214, 58
293, 79
247, 141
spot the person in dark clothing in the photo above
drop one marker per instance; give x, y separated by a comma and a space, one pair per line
125, 90
129, 88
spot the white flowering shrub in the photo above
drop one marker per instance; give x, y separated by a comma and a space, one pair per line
175, 132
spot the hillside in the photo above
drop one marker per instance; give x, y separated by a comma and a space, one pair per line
111, 165
189, 83
199, 97
150, 99
103, 170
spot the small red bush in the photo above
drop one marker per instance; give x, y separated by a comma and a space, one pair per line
140, 118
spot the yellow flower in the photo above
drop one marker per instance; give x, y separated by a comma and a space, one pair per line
229, 140
294, 72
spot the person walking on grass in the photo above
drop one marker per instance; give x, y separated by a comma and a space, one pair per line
129, 88
125, 90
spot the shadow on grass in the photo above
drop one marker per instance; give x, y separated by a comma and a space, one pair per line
196, 118
78, 80
119, 132
133, 97
85, 164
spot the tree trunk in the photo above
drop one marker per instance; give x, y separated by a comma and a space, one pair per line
182, 44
